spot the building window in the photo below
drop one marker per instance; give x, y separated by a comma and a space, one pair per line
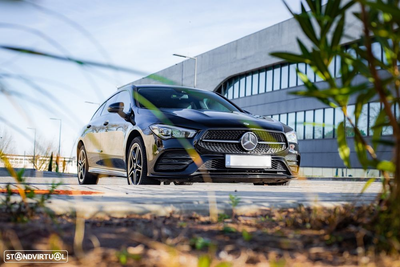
331, 67
309, 121
339, 117
337, 66
310, 74
374, 109
275, 117
262, 82
229, 91
292, 75
292, 120
270, 79
363, 120
318, 123
283, 118
300, 124
284, 76
277, 78
328, 123
248, 85
302, 68
388, 130
377, 51
255, 84
236, 89
242, 86
350, 114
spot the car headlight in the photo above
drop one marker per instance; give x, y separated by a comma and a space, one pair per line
167, 132
291, 137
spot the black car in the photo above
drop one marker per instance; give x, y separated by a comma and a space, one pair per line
152, 134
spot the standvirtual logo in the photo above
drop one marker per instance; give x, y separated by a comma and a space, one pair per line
35, 256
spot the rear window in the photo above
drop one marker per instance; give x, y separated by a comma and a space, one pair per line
178, 98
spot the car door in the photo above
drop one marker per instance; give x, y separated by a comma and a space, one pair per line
115, 133
92, 138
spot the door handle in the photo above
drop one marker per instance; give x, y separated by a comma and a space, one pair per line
88, 126
105, 123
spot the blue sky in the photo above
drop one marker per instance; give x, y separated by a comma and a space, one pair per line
140, 35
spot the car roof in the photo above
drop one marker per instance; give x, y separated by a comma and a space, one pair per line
160, 86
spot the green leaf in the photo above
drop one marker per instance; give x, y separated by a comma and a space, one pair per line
292, 58
367, 184
361, 151
384, 8
377, 128
305, 53
343, 148
385, 165
384, 142
338, 34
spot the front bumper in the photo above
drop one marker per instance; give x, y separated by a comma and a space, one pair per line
171, 162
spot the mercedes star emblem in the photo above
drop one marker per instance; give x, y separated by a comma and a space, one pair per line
249, 141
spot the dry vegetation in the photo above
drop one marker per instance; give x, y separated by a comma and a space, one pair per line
285, 237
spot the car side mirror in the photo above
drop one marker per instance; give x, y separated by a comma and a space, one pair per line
119, 109
116, 107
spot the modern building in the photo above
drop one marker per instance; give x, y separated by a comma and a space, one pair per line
244, 72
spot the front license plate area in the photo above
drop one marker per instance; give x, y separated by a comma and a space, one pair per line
248, 161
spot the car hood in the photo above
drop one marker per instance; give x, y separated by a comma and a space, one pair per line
200, 119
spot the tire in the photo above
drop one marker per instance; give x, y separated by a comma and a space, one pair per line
84, 176
136, 173
274, 184
182, 183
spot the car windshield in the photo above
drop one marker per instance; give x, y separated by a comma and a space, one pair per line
181, 98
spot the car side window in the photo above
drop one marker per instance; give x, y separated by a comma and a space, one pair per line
98, 112
125, 98
110, 101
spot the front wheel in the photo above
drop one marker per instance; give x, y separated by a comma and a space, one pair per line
137, 164
84, 176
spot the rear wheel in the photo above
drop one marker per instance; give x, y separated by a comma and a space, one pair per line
84, 176
137, 164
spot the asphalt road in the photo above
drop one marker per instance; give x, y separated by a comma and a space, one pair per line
116, 198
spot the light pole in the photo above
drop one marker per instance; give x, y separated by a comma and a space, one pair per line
59, 136
195, 66
90, 102
34, 147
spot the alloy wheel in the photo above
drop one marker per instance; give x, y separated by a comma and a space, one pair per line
135, 165
81, 165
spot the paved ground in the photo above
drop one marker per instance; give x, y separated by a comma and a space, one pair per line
118, 198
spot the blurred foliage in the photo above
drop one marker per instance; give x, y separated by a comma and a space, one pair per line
324, 28
23, 209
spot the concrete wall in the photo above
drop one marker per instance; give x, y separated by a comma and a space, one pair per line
248, 53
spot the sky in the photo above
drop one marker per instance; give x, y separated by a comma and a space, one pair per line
138, 35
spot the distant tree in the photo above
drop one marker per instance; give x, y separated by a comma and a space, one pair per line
6, 141
323, 27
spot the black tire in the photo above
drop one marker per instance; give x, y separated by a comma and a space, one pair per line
182, 183
274, 184
84, 176
136, 173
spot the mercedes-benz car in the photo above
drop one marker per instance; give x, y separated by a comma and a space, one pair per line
152, 134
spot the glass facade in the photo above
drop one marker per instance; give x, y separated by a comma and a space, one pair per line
282, 76
309, 124
322, 123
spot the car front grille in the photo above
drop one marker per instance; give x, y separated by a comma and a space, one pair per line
228, 142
